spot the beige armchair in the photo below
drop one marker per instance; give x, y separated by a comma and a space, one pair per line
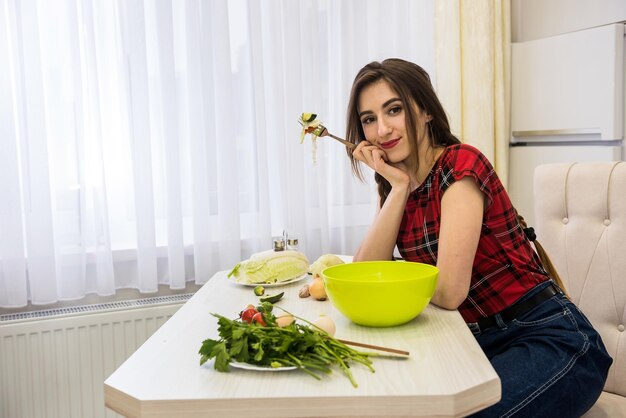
580, 216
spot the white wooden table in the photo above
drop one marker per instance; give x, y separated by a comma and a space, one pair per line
446, 374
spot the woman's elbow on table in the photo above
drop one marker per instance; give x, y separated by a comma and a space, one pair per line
448, 300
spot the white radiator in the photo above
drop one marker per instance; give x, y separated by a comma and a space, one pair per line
53, 363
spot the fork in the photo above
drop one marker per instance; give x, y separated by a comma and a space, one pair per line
321, 131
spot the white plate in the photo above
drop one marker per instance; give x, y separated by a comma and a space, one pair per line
246, 366
297, 279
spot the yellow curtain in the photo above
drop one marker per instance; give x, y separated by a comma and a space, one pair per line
473, 67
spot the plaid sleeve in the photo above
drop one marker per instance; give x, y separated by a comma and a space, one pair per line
464, 161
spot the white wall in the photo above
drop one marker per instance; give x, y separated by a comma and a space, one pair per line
533, 19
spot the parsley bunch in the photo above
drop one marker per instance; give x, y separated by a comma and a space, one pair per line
307, 348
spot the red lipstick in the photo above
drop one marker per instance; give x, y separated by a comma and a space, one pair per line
390, 144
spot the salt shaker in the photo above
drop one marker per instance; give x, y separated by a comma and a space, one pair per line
292, 243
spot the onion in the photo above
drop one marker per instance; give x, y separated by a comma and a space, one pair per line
316, 289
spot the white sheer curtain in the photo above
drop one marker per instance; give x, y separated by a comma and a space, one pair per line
156, 142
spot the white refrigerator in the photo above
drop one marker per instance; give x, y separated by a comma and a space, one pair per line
567, 104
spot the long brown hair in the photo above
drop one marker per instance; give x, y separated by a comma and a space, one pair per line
413, 86
548, 266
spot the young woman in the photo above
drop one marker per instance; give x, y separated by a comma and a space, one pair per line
442, 203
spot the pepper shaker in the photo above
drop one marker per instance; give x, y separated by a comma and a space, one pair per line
278, 244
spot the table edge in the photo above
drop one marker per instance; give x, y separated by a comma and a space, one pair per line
372, 406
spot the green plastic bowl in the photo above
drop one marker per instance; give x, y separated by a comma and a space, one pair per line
380, 293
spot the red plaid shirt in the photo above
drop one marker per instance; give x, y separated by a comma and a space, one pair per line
505, 266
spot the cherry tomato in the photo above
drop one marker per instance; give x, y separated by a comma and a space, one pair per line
247, 314
258, 318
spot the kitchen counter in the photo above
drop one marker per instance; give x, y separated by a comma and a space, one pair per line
446, 374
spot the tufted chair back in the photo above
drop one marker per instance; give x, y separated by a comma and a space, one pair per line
580, 216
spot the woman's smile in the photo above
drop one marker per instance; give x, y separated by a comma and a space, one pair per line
389, 144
